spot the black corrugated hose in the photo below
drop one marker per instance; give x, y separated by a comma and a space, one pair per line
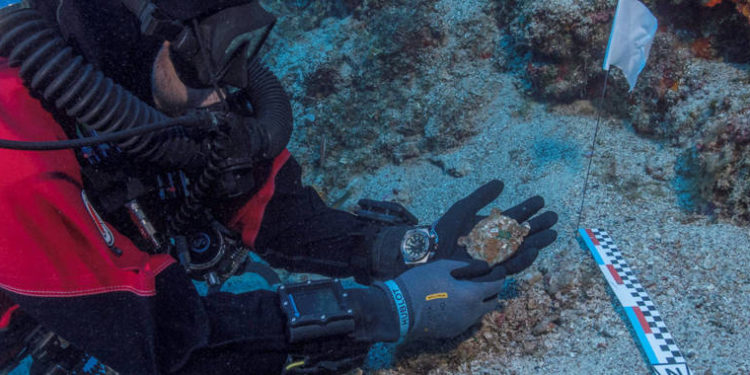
272, 108
53, 70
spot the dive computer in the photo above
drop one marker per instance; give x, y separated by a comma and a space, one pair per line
316, 309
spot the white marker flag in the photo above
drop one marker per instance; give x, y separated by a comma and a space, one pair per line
630, 41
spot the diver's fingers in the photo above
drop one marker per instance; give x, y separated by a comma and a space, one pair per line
497, 273
525, 210
521, 260
474, 268
529, 251
542, 222
480, 197
540, 240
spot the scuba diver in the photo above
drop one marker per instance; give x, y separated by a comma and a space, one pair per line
143, 146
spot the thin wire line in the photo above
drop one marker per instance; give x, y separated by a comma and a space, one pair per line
593, 148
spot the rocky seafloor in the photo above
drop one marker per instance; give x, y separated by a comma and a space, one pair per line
420, 102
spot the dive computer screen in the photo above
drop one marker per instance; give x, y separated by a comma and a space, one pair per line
315, 301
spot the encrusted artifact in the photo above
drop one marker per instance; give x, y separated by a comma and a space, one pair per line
495, 238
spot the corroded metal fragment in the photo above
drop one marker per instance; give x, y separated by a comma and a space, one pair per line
495, 238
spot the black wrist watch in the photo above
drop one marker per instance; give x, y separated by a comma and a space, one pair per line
418, 245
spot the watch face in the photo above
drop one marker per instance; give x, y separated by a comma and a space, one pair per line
415, 246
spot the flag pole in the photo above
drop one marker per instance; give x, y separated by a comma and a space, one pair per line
593, 148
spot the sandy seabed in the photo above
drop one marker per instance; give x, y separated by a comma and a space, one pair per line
564, 321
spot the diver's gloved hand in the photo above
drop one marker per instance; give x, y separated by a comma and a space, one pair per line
389, 258
217, 51
462, 217
427, 302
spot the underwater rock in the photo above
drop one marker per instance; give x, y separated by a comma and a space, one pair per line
714, 112
545, 326
559, 45
724, 166
495, 238
692, 93
743, 6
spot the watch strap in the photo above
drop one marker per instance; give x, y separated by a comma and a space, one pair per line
387, 261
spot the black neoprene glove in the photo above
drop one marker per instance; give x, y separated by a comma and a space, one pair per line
458, 221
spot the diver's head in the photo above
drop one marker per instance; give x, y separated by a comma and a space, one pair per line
110, 37
171, 95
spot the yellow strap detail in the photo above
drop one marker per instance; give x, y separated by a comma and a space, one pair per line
295, 364
436, 296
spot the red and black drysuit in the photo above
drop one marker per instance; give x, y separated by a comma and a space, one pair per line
139, 313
